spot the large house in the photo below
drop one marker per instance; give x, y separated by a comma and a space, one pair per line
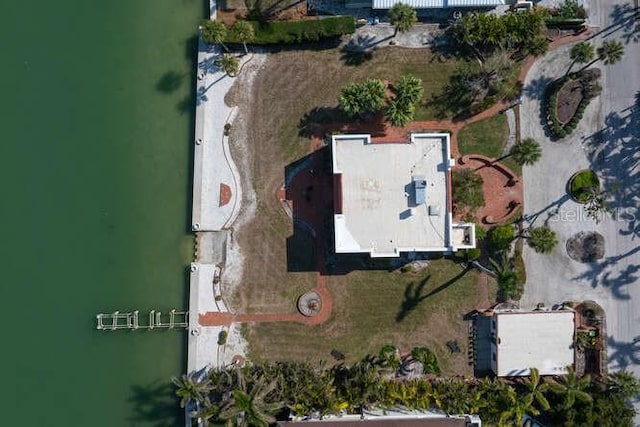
395, 197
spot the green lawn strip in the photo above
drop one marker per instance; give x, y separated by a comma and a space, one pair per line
488, 137
364, 318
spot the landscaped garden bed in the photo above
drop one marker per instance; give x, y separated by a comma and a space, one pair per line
582, 185
568, 97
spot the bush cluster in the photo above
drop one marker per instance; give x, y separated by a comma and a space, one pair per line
288, 32
500, 237
591, 89
222, 337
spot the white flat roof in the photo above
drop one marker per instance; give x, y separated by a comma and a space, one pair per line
426, 4
378, 212
542, 340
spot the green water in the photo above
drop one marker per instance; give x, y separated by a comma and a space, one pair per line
95, 206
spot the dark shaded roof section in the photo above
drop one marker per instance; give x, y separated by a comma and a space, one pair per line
421, 422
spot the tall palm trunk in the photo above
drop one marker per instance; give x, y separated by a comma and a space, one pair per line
589, 64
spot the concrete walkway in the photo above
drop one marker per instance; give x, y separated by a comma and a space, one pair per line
217, 192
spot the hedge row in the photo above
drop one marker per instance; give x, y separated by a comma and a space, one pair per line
312, 30
558, 129
560, 22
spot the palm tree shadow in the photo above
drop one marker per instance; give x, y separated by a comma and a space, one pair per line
155, 404
623, 354
413, 297
170, 82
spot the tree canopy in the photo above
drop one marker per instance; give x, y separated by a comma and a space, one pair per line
542, 239
256, 393
403, 17
611, 51
526, 152
485, 32
357, 99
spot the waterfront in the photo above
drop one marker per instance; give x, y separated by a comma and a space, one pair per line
96, 212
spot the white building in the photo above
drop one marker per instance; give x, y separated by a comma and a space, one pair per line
395, 197
534, 339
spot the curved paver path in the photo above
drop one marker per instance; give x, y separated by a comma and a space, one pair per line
380, 133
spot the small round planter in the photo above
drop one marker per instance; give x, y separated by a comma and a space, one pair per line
580, 183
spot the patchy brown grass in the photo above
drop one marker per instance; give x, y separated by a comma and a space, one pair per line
366, 310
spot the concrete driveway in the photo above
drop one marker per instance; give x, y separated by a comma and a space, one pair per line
607, 140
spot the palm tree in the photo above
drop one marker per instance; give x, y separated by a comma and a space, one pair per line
611, 52
229, 64
249, 407
582, 53
571, 387
359, 98
505, 276
624, 383
542, 239
244, 32
537, 46
214, 32
207, 412
514, 415
190, 388
349, 100
536, 389
399, 114
526, 152
408, 90
403, 17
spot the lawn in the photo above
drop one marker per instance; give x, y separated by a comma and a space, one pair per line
301, 80
373, 308
290, 85
487, 137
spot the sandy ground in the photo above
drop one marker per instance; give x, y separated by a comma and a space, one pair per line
232, 272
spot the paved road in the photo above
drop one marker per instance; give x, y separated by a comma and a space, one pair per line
607, 140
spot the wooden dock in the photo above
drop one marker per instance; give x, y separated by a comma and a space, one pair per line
131, 320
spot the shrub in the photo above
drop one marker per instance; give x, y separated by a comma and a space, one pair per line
521, 273
287, 32
428, 359
467, 189
222, 338
481, 232
500, 237
227, 129
472, 254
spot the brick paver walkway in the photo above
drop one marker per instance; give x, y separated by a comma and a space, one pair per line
311, 177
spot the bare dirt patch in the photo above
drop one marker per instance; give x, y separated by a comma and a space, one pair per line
586, 247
